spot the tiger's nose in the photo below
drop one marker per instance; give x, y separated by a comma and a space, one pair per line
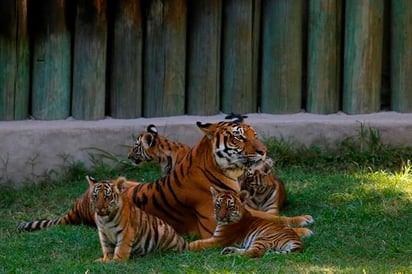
261, 152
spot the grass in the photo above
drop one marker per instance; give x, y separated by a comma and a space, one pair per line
360, 195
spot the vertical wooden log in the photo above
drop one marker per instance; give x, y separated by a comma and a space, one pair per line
203, 60
14, 60
89, 64
164, 58
282, 56
51, 60
126, 60
324, 56
240, 33
401, 56
362, 56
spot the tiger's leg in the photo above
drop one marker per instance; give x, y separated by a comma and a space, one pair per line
302, 220
107, 249
124, 246
203, 244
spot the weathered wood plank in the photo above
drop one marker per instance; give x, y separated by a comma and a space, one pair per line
240, 34
126, 60
51, 62
14, 60
282, 56
164, 58
324, 56
89, 63
362, 56
401, 56
203, 60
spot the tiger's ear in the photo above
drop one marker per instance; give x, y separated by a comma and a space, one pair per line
207, 128
92, 181
120, 184
243, 196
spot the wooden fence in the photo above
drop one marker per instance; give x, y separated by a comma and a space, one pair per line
131, 58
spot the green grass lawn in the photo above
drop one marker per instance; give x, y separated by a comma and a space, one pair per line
363, 219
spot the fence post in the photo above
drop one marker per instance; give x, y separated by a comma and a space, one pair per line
164, 58
203, 59
126, 60
89, 75
240, 55
282, 56
324, 56
51, 60
401, 56
14, 60
362, 56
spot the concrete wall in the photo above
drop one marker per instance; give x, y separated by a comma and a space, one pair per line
30, 148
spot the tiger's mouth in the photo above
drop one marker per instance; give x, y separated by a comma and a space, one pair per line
102, 212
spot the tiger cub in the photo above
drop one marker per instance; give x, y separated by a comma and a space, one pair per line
153, 148
235, 225
123, 228
267, 192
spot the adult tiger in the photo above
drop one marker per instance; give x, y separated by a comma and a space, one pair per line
235, 225
182, 198
124, 229
267, 192
153, 148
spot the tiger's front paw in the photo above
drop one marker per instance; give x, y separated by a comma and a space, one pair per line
228, 250
303, 232
306, 220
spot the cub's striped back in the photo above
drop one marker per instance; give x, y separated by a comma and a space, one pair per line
124, 229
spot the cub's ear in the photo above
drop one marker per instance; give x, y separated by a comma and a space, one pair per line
120, 184
92, 181
213, 191
149, 140
236, 117
243, 196
152, 129
207, 128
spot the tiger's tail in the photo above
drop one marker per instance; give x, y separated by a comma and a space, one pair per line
80, 213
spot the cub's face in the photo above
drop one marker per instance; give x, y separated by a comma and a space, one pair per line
104, 199
143, 149
254, 179
235, 145
228, 206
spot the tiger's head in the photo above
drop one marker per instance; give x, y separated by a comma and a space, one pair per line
235, 145
253, 179
228, 206
105, 195
145, 146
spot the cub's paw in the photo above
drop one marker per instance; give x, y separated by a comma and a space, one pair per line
228, 250
102, 260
